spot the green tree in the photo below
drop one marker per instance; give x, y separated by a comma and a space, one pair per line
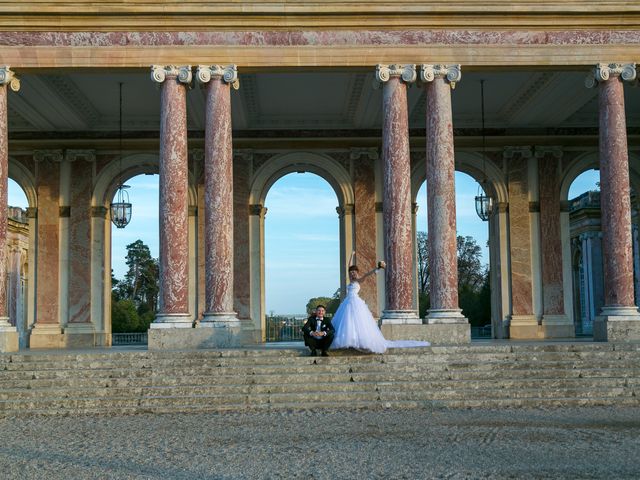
140, 283
124, 317
474, 293
315, 301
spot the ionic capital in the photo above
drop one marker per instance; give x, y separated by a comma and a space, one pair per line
451, 73
524, 152
48, 155
406, 72
604, 71
159, 73
226, 73
72, 155
554, 151
371, 153
7, 77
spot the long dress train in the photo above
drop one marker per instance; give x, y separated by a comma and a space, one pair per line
356, 328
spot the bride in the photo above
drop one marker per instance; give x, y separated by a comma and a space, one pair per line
354, 325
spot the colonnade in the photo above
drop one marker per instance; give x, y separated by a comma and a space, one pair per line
444, 323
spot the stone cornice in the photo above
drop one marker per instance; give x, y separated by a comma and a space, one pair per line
166, 14
227, 73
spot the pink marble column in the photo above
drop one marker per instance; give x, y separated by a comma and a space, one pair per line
615, 192
441, 194
6, 78
218, 193
397, 193
174, 201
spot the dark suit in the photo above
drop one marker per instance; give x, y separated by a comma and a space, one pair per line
315, 343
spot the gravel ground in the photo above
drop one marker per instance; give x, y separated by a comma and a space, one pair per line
385, 444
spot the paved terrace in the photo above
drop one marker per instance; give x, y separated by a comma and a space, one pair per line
404, 444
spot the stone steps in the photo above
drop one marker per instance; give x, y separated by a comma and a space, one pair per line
476, 375
133, 378
149, 391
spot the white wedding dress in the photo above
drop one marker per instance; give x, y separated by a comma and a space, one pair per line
356, 328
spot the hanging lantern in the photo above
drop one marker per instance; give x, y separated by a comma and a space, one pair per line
484, 205
121, 208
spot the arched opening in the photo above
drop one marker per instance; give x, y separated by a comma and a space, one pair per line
17, 252
134, 263
474, 281
302, 252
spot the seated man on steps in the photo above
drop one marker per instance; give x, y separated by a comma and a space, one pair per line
318, 332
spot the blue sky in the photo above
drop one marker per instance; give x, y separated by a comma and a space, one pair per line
301, 231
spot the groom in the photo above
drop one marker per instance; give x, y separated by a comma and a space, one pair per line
318, 332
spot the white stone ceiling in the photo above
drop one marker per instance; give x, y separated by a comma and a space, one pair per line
88, 102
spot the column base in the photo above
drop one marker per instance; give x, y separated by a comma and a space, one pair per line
557, 326
524, 327
208, 336
225, 329
47, 336
8, 337
400, 317
617, 324
172, 320
445, 316
436, 334
79, 335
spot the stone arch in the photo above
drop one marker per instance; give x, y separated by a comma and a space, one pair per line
590, 160
582, 163
282, 164
122, 170
471, 164
23, 177
263, 179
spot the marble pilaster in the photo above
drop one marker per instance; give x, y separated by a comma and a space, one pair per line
365, 222
8, 332
174, 204
47, 330
242, 167
620, 318
441, 196
555, 322
524, 323
79, 330
397, 193
218, 200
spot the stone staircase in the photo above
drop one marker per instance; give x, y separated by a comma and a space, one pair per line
476, 375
